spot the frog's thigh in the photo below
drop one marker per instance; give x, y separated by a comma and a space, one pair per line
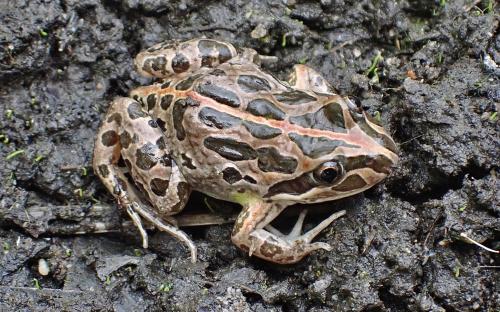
306, 78
173, 58
146, 154
128, 129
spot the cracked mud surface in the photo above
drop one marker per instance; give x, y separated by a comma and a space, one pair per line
436, 88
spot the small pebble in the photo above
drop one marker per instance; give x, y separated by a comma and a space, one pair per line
259, 31
43, 267
356, 52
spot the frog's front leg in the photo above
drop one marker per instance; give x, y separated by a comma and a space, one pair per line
179, 59
249, 234
129, 133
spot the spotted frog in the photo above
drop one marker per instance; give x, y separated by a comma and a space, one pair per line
215, 122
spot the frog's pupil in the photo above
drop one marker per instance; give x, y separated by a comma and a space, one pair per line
328, 175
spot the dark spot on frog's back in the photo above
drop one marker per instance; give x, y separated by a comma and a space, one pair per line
116, 117
152, 123
166, 100
161, 124
125, 139
146, 156
316, 147
187, 162
270, 160
207, 48
151, 101
213, 118
161, 143
165, 84
159, 186
230, 148
231, 175
251, 83
166, 161
261, 131
218, 72
219, 94
224, 53
103, 170
109, 138
352, 182
329, 117
294, 97
135, 111
180, 63
158, 63
186, 83
180, 107
265, 108
249, 179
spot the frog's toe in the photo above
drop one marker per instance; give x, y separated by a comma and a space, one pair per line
158, 222
309, 236
137, 221
321, 245
297, 228
294, 233
273, 230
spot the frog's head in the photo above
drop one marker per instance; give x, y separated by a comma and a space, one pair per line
338, 163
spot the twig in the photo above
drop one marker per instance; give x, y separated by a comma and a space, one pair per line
418, 136
478, 244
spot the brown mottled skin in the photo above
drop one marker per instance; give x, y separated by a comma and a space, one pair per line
218, 124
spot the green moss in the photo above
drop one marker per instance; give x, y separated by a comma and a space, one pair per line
493, 116
6, 247
166, 287
372, 71
36, 284
303, 60
14, 154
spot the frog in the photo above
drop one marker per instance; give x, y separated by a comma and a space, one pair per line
215, 122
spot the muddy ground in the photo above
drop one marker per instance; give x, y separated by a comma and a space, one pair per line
436, 87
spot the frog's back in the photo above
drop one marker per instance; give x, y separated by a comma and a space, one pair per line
234, 129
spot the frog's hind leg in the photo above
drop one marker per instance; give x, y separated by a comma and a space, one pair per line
306, 78
129, 133
253, 233
174, 58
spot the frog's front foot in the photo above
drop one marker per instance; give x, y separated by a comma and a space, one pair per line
268, 243
157, 221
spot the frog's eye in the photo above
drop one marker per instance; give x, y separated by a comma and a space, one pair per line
328, 172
